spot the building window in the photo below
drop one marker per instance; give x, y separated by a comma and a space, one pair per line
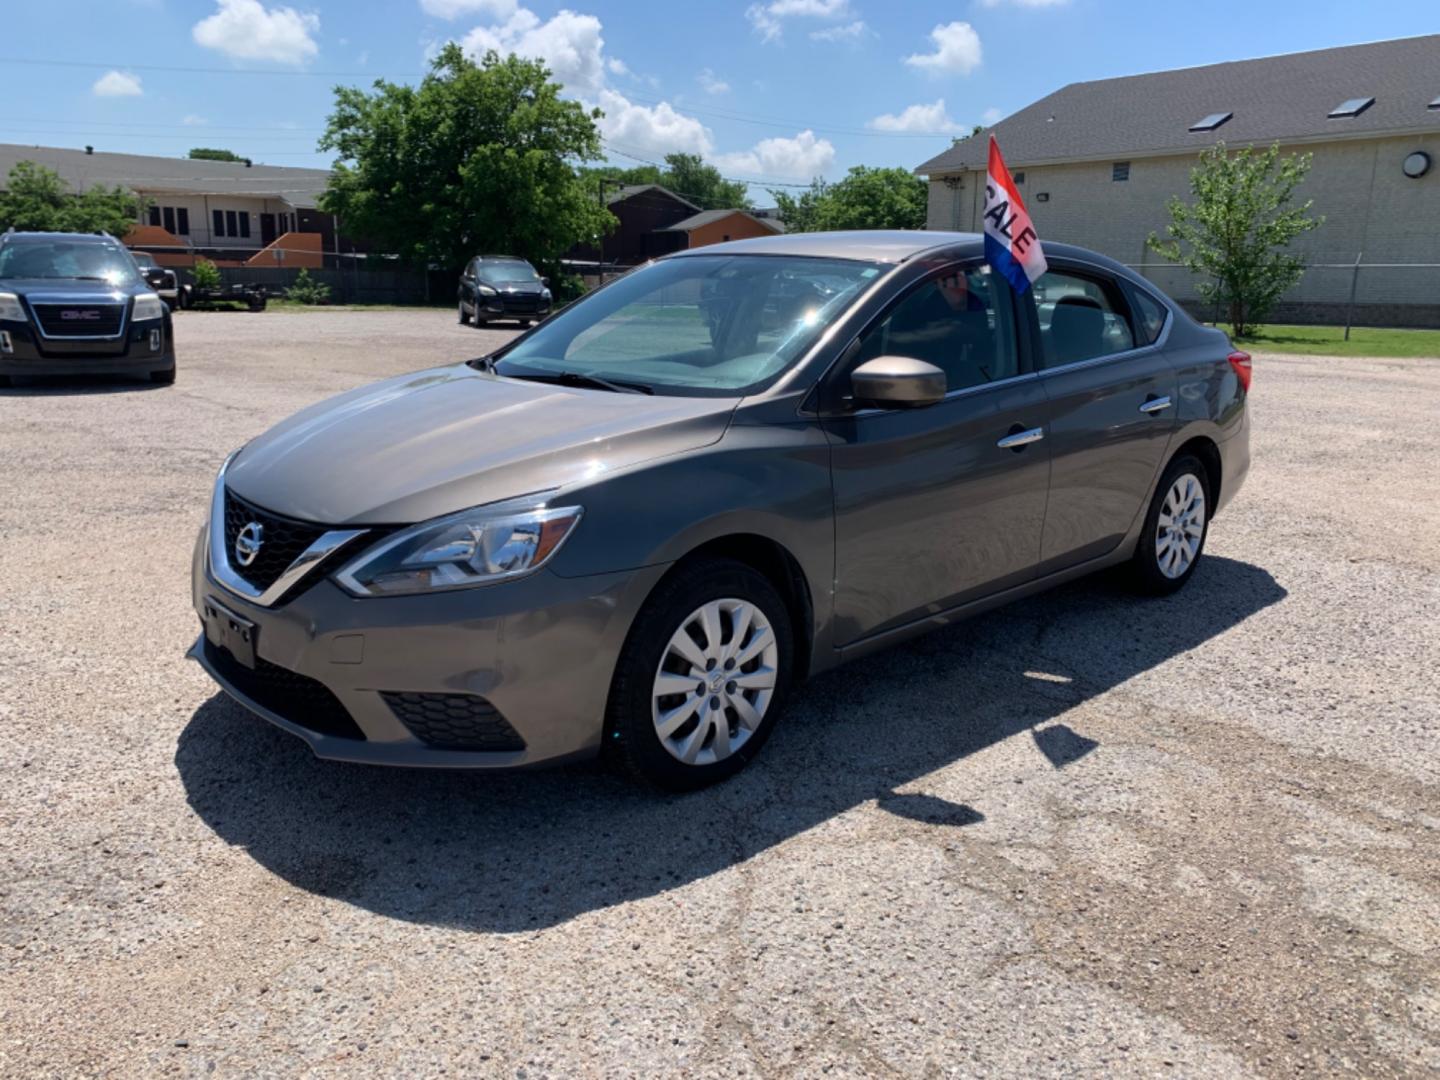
154, 215
217, 224
232, 226
1120, 171
244, 223
182, 221
1019, 177
169, 213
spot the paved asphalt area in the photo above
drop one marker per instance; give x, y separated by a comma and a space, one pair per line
1090, 834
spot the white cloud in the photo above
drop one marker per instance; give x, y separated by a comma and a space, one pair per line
851, 31
957, 50
768, 19
616, 66
802, 157
569, 44
920, 119
191, 120
453, 9
712, 83
651, 130
117, 84
992, 116
247, 30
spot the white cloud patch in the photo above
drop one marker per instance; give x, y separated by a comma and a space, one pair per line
571, 46
247, 30
454, 9
848, 32
957, 50
800, 158
992, 116
917, 119
768, 19
651, 129
191, 120
712, 83
117, 84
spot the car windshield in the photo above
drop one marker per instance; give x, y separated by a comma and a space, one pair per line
697, 324
508, 271
67, 259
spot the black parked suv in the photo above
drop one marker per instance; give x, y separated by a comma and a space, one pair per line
75, 303
502, 287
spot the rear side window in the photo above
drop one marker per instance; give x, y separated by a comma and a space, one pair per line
1149, 316
1081, 318
960, 322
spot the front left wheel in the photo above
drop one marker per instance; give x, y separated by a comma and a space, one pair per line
702, 676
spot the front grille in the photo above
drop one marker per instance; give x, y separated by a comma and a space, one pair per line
454, 721
79, 319
282, 540
290, 695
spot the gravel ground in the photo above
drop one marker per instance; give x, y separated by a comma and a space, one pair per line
1085, 834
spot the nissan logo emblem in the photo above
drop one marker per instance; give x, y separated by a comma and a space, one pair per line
249, 542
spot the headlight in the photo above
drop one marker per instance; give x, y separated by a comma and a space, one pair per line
11, 309
474, 547
486, 290
545, 293
147, 306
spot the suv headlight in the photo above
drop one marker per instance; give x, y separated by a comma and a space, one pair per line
147, 306
474, 547
11, 310
486, 290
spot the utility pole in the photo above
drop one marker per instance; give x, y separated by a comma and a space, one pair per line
602, 182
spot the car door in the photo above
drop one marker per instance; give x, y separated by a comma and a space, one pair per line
1111, 412
939, 505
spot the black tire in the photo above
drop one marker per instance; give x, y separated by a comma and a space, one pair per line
1146, 571
526, 322
5, 381
631, 738
478, 322
163, 378
464, 319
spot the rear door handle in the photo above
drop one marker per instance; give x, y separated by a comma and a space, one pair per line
1155, 404
1018, 439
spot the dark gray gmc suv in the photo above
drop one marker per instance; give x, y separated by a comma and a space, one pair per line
638, 526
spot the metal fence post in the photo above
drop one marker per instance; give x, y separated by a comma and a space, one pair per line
1354, 281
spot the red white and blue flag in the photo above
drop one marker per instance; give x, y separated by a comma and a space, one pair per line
1011, 246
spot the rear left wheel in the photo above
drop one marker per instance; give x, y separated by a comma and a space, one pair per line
1173, 537
702, 677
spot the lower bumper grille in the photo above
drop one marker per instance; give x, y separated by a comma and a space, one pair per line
290, 695
454, 721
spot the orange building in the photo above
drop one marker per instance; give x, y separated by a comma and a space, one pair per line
717, 226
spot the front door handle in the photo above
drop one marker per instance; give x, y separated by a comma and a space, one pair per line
1018, 440
1156, 404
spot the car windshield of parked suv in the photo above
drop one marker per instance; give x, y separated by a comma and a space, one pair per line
508, 271
697, 324
75, 259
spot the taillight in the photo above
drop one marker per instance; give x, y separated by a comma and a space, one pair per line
1240, 361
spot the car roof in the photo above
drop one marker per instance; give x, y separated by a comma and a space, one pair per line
870, 245
94, 238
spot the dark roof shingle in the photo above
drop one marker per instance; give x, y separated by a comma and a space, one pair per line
1274, 98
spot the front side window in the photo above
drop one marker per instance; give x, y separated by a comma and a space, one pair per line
1081, 318
697, 324
960, 322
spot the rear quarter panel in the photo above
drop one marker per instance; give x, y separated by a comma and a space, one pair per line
1211, 401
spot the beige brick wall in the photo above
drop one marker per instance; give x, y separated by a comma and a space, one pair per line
1369, 206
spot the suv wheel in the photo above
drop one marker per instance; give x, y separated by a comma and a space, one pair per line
702, 676
163, 378
1173, 536
464, 319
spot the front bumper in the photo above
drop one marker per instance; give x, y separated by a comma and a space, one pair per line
541, 650
25, 352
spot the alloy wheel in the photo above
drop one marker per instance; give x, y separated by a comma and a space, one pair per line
715, 681
1181, 526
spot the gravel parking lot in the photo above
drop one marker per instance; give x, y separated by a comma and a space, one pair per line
1086, 834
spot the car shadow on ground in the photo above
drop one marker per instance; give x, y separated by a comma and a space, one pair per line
517, 851
59, 385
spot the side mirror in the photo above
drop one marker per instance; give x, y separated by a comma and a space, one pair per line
544, 281
897, 382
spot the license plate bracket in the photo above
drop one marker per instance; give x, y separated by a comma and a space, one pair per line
228, 631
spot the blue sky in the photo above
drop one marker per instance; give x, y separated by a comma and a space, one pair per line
772, 91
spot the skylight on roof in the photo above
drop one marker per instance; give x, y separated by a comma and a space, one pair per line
1354, 107
1211, 122
1434, 104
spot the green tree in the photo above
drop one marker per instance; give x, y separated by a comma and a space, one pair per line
867, 198
1237, 230
36, 198
205, 153
686, 175
478, 157
306, 290
206, 274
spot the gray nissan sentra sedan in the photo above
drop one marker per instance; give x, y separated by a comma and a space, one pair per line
638, 526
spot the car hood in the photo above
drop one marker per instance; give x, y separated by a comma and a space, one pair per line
71, 287
435, 442
525, 288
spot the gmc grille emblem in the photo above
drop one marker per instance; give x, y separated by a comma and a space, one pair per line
79, 315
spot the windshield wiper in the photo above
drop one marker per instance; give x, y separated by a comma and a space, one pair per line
583, 378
